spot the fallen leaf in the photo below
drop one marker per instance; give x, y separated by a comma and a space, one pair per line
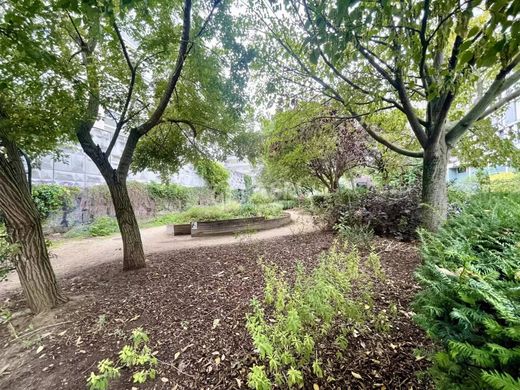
176, 355
217, 360
355, 375
40, 348
315, 386
216, 323
239, 383
164, 379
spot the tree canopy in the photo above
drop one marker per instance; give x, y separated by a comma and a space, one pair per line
314, 146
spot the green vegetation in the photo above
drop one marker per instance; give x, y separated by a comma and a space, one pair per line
218, 212
288, 325
215, 175
101, 226
50, 198
6, 251
137, 355
469, 303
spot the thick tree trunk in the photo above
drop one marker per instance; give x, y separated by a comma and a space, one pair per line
133, 253
434, 188
24, 229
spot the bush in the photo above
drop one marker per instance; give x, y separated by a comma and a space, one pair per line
388, 212
291, 322
470, 298
258, 198
6, 251
503, 182
170, 196
103, 226
50, 198
219, 212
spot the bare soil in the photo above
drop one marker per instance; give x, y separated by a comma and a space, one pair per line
177, 299
70, 256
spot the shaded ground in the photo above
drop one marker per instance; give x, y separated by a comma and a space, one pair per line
177, 299
71, 256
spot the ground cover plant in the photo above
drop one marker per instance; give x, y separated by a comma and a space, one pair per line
470, 302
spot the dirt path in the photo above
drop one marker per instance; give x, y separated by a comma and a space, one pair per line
76, 255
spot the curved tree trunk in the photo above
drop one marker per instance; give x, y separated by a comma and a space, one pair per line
24, 229
133, 253
434, 187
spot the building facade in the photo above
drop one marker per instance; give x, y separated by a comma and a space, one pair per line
75, 168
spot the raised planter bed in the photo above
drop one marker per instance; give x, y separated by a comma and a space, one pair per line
228, 226
181, 229
239, 225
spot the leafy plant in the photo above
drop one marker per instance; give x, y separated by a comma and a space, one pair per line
138, 355
287, 326
214, 174
6, 251
388, 212
50, 198
360, 236
103, 226
469, 303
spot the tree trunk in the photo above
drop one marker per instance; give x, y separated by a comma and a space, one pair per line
24, 229
133, 253
434, 189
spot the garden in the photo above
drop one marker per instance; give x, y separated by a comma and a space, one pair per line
374, 208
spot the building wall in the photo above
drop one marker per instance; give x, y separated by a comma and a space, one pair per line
75, 168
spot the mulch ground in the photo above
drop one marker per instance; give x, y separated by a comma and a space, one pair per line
193, 303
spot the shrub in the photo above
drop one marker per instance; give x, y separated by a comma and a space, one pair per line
470, 298
219, 212
392, 211
360, 236
259, 198
288, 326
103, 226
170, 196
6, 251
503, 182
50, 198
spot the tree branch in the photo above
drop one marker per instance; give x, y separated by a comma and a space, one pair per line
155, 117
499, 85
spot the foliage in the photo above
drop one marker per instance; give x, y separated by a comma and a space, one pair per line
503, 182
215, 175
469, 302
170, 193
426, 60
259, 198
289, 324
138, 355
50, 198
103, 226
312, 145
387, 212
228, 210
358, 235
6, 251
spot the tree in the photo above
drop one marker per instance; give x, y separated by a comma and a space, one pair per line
127, 59
312, 145
35, 110
423, 59
215, 175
